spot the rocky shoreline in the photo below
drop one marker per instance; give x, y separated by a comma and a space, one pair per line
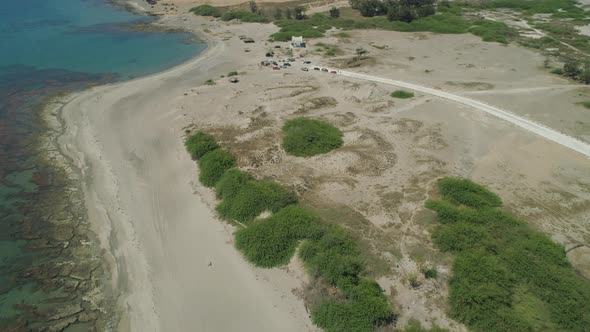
72, 268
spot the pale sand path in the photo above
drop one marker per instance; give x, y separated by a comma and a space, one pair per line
126, 140
534, 127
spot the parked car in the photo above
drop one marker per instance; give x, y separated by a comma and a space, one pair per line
333, 72
305, 69
325, 70
276, 68
316, 68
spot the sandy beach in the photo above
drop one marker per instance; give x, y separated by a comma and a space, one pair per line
173, 261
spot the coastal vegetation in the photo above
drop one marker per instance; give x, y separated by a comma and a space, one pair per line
414, 326
558, 8
206, 10
449, 20
212, 166
244, 16
330, 253
273, 241
506, 276
308, 137
199, 144
401, 94
245, 198
400, 16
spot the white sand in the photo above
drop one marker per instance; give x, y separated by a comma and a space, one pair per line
173, 261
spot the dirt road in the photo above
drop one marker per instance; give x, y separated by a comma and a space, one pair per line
539, 129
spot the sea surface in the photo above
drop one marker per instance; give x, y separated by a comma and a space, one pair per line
47, 48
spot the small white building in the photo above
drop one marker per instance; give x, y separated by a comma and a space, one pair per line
297, 42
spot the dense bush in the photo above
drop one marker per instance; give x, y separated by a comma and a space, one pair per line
402, 94
199, 144
448, 212
313, 27
460, 236
206, 10
492, 31
468, 193
232, 181
212, 166
272, 241
307, 137
365, 308
559, 8
497, 257
481, 292
244, 17
430, 273
414, 326
253, 198
334, 256
450, 21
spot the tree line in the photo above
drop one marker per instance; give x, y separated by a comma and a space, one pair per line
396, 10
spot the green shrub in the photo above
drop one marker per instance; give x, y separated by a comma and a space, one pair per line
232, 73
313, 27
430, 273
497, 256
557, 71
402, 94
492, 31
199, 144
586, 104
230, 184
448, 212
307, 137
334, 256
449, 20
271, 242
212, 166
244, 17
481, 292
468, 193
559, 8
414, 326
460, 236
206, 10
253, 198
365, 308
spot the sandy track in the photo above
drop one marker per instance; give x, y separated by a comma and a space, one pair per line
528, 125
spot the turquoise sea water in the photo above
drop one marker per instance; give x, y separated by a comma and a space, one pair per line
87, 36
47, 48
